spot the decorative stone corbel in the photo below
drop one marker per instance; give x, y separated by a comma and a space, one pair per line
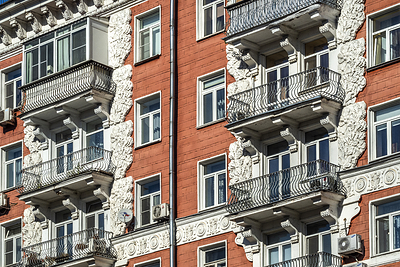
252, 150
32, 18
249, 242
329, 123
18, 27
292, 226
72, 126
42, 138
82, 6
5, 37
350, 208
290, 136
98, 3
329, 32
249, 57
104, 115
287, 44
288, 41
66, 12
331, 216
103, 196
69, 205
44, 222
49, 14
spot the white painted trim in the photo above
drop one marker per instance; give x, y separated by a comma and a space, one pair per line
2, 235
3, 160
204, 248
143, 263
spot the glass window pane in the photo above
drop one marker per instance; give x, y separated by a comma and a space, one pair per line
18, 248
219, 80
145, 217
150, 187
326, 243
388, 207
324, 150
214, 167
90, 222
216, 254
312, 245
208, 21
156, 41
18, 168
101, 221
380, 47
156, 126
273, 255
149, 106
387, 113
14, 153
149, 20
395, 136
287, 252
381, 140
10, 175
311, 153
144, 44
78, 46
220, 17
156, 200
221, 104
63, 53
13, 74
386, 20
209, 190
382, 229
395, 44
221, 188
207, 107
145, 130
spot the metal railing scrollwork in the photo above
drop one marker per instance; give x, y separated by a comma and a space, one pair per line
320, 259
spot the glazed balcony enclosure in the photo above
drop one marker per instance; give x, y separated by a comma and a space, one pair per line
313, 260
91, 247
296, 189
79, 172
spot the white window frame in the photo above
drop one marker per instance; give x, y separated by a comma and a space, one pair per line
320, 240
202, 250
5, 162
370, 34
200, 93
148, 263
3, 234
278, 245
138, 118
14, 82
137, 57
200, 18
96, 218
139, 197
201, 181
317, 144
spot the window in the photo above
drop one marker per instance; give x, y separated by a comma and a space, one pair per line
317, 63
64, 150
12, 243
64, 230
94, 140
213, 256
277, 74
386, 131
386, 226
211, 17
279, 170
152, 263
278, 248
385, 36
318, 238
94, 215
211, 98
12, 95
149, 195
212, 182
148, 35
148, 122
13, 164
55, 51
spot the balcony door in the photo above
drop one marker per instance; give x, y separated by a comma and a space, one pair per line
277, 80
64, 230
64, 150
278, 249
316, 63
318, 245
279, 171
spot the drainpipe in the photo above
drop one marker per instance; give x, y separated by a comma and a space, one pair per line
172, 140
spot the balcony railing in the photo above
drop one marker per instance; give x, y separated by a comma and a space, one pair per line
248, 14
90, 242
320, 259
313, 176
64, 84
66, 167
317, 82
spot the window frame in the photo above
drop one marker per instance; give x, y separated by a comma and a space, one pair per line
138, 30
200, 19
3, 227
370, 35
14, 81
201, 182
4, 161
320, 238
148, 262
278, 245
202, 250
138, 117
201, 80
139, 197
96, 214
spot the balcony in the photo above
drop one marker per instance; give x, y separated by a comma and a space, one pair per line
68, 87
78, 171
286, 185
77, 249
314, 260
246, 15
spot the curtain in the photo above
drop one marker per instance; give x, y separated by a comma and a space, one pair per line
395, 44
63, 53
156, 126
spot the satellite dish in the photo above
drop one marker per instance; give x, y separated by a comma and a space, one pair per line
125, 215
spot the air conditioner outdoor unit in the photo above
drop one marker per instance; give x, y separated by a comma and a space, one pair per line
160, 212
3, 200
359, 264
349, 244
6, 116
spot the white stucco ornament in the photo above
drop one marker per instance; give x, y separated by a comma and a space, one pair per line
119, 37
351, 18
240, 166
31, 231
121, 198
121, 145
123, 94
33, 145
238, 69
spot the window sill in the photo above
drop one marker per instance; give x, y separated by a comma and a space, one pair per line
146, 60
384, 158
215, 207
384, 64
208, 36
210, 123
148, 144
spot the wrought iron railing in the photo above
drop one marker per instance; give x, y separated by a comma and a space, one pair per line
248, 14
66, 167
81, 78
299, 180
317, 82
320, 259
90, 242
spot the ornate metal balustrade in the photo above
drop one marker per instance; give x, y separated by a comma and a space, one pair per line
248, 14
321, 259
90, 242
313, 176
66, 167
64, 84
290, 90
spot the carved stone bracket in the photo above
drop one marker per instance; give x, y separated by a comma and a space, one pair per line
329, 123
18, 27
82, 6
331, 216
32, 18
292, 226
44, 222
103, 196
329, 32
5, 37
252, 150
66, 12
291, 137
249, 242
104, 115
44, 143
287, 44
98, 3
72, 126
249, 57
49, 14
69, 205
